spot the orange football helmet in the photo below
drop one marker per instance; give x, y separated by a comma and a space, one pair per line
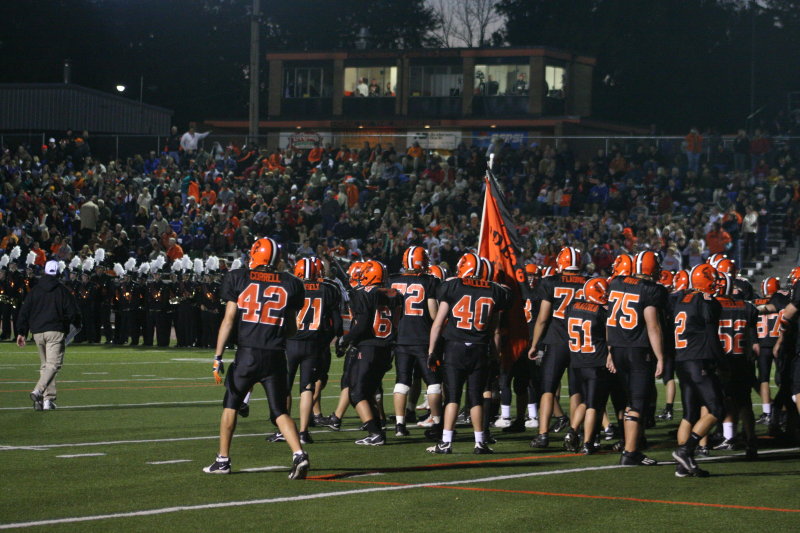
622, 266
305, 269
264, 252
724, 284
438, 272
728, 266
469, 266
354, 272
680, 281
568, 258
373, 273
548, 271
416, 258
532, 270
647, 264
666, 278
714, 259
770, 286
320, 266
487, 270
793, 276
596, 291
703, 278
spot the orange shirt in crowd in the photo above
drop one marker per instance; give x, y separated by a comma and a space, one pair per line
175, 252
414, 151
717, 241
194, 190
315, 155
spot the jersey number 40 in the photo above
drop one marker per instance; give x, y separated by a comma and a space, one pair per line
473, 315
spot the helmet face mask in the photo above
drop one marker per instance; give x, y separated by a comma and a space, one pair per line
680, 281
264, 252
354, 273
622, 266
724, 285
666, 279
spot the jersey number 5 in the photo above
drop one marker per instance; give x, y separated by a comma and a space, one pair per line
266, 312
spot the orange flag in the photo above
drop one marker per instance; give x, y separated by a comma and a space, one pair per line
500, 244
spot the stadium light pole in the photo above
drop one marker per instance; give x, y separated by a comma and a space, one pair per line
254, 72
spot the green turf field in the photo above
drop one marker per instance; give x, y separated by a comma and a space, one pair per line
93, 465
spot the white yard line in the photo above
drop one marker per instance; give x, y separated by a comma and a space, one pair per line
94, 373
170, 462
317, 496
61, 381
264, 468
80, 455
38, 447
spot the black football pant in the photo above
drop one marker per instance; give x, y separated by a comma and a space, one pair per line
251, 366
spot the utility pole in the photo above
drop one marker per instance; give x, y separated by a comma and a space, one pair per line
254, 70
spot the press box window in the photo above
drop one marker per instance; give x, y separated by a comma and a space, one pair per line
439, 80
370, 81
502, 80
306, 82
555, 78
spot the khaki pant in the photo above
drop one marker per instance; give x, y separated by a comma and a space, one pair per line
51, 354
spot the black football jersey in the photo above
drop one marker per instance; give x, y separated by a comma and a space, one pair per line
586, 327
696, 323
266, 301
737, 326
627, 299
769, 324
315, 318
376, 312
414, 327
531, 299
472, 306
560, 290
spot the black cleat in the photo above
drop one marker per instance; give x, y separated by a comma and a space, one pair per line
764, 419
666, 414
305, 438
636, 459
684, 458
333, 422
441, 447
316, 421
589, 448
400, 430
244, 410
481, 448
489, 437
702, 451
373, 439
517, 426
609, 432
221, 465
300, 466
434, 433
542, 440
571, 441
727, 444
562, 423
276, 437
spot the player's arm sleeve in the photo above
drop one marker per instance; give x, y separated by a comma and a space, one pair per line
361, 320
228, 291
333, 312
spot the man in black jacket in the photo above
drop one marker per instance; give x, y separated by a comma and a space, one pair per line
47, 312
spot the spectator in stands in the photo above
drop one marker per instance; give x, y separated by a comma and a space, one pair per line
189, 143
718, 240
694, 149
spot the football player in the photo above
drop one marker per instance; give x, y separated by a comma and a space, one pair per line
266, 303
636, 345
742, 288
531, 298
787, 348
332, 328
376, 311
769, 331
697, 347
334, 421
305, 351
737, 334
467, 318
586, 327
680, 282
418, 289
557, 293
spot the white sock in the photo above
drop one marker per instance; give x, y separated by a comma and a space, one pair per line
400, 419
246, 398
436, 419
478, 436
505, 411
295, 454
727, 430
533, 410
794, 398
447, 435
766, 408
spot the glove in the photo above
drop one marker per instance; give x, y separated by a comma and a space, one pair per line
434, 362
218, 369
